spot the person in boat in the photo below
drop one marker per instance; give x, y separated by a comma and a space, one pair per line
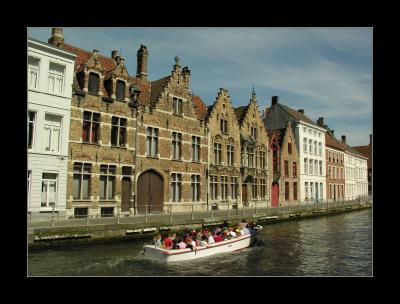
198, 238
232, 233
211, 239
157, 240
203, 241
167, 244
175, 244
181, 244
218, 237
242, 224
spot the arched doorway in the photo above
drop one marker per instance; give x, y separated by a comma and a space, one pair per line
275, 194
150, 192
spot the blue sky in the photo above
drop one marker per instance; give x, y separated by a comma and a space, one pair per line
325, 71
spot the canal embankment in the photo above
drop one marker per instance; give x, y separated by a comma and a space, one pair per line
44, 234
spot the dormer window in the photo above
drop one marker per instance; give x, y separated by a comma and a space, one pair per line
94, 83
120, 88
177, 106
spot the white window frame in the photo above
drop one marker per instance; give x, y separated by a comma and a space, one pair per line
176, 187
53, 127
33, 130
109, 178
152, 142
81, 173
196, 148
176, 145
224, 187
217, 153
48, 180
230, 148
234, 187
32, 68
305, 140
57, 77
213, 187
29, 187
91, 121
195, 188
119, 126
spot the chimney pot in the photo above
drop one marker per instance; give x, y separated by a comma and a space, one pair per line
275, 99
344, 139
301, 111
370, 139
57, 36
333, 132
320, 122
114, 54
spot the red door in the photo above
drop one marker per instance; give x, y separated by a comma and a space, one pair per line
275, 195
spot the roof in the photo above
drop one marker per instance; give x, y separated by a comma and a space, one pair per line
332, 142
241, 113
352, 150
201, 107
156, 88
297, 115
367, 151
279, 134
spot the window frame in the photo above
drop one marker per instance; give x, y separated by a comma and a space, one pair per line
33, 123
48, 180
217, 153
90, 83
48, 123
81, 174
30, 68
55, 75
196, 144
90, 125
224, 186
176, 187
117, 91
195, 187
176, 145
234, 187
119, 128
177, 106
152, 142
110, 178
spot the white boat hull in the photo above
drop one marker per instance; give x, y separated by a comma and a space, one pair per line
166, 255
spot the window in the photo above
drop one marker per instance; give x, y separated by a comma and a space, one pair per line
107, 182
152, 142
262, 159
321, 192
315, 167
315, 133
120, 88
254, 133
262, 187
306, 166
217, 153
275, 158
118, 131
294, 169
224, 187
295, 191
286, 168
91, 127
176, 187
286, 191
56, 78
127, 171
330, 156
310, 146
230, 154
250, 157
315, 147
333, 172
213, 187
306, 189
94, 83
329, 172
81, 183
320, 148
195, 148
224, 126
29, 186
305, 145
52, 132
31, 128
234, 187
49, 190
33, 72
342, 186
254, 188
320, 168
107, 211
177, 106
311, 167
311, 190
289, 147
80, 212
305, 130
195, 188
309, 131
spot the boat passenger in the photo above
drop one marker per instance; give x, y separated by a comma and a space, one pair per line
232, 233
211, 239
243, 223
157, 240
181, 244
218, 237
203, 241
175, 244
168, 241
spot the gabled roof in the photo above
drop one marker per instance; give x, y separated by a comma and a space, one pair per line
279, 135
240, 113
297, 115
351, 150
332, 142
367, 151
156, 88
201, 107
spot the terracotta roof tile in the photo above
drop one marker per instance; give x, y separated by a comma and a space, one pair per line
297, 115
157, 87
201, 107
332, 142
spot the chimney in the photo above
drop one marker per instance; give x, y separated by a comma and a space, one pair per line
142, 54
114, 54
320, 122
275, 100
301, 111
333, 132
344, 139
370, 139
186, 75
57, 36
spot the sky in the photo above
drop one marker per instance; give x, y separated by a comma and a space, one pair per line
325, 71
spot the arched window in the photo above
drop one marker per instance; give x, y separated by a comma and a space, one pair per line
120, 90
93, 83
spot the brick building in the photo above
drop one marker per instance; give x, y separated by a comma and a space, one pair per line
367, 151
285, 165
224, 153
335, 169
254, 154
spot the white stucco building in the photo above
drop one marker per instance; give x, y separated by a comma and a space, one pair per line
356, 173
50, 77
310, 142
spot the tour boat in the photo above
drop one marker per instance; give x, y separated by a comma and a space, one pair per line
175, 255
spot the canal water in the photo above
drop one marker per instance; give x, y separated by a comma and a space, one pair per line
337, 245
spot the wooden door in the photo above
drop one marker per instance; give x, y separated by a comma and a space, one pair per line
275, 195
126, 194
150, 192
244, 194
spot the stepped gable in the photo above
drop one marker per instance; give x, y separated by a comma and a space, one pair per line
157, 87
201, 107
240, 113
